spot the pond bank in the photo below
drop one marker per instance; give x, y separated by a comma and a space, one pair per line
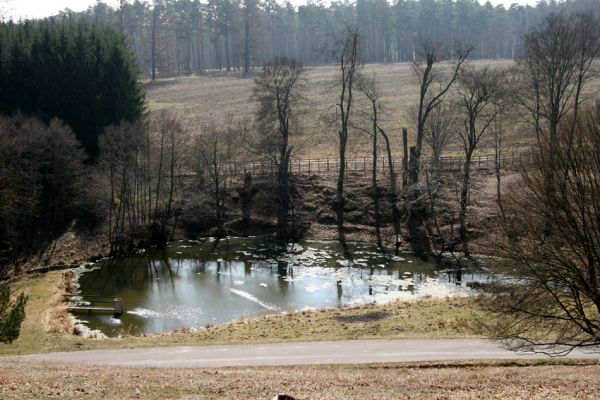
451, 318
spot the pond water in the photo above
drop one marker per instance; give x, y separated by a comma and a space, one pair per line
193, 284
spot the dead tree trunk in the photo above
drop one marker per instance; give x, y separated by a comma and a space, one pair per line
154, 17
347, 57
375, 187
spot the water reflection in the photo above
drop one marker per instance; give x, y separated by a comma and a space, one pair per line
195, 284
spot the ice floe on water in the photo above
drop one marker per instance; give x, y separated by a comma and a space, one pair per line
276, 278
110, 320
254, 299
428, 290
312, 288
179, 312
144, 313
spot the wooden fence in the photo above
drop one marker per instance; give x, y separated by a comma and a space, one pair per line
364, 165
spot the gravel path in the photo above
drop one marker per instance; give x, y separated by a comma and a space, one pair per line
338, 352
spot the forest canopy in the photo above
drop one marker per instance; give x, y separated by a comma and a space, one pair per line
190, 36
81, 73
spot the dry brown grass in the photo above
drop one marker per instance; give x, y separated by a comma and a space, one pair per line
216, 99
59, 318
503, 380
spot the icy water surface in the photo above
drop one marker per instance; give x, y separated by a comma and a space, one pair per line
193, 284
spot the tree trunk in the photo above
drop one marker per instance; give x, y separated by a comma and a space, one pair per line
154, 43
374, 181
284, 194
393, 196
417, 212
464, 203
404, 157
247, 39
340, 200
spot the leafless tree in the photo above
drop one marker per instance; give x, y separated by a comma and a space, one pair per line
41, 180
278, 92
123, 168
433, 86
439, 128
478, 88
557, 64
550, 246
347, 56
154, 28
212, 150
167, 144
368, 87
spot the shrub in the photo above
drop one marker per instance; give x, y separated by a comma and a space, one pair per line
12, 315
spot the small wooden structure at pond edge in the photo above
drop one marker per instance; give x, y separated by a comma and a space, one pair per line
99, 304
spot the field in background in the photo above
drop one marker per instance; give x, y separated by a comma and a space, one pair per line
220, 98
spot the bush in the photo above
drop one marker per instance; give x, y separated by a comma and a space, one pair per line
11, 315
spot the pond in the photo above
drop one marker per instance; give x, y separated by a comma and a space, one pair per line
194, 284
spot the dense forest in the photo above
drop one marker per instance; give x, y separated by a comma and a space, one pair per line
80, 73
190, 36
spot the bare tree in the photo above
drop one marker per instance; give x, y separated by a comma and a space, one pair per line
438, 130
346, 54
550, 246
41, 181
369, 88
123, 169
212, 150
167, 143
247, 44
432, 89
278, 92
477, 91
557, 64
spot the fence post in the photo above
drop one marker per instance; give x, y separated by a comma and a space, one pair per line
309, 166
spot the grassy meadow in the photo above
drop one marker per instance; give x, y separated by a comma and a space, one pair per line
221, 98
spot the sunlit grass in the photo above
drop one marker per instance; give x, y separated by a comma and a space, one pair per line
220, 98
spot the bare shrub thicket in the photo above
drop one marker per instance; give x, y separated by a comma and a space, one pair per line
439, 129
41, 172
135, 180
211, 151
551, 246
